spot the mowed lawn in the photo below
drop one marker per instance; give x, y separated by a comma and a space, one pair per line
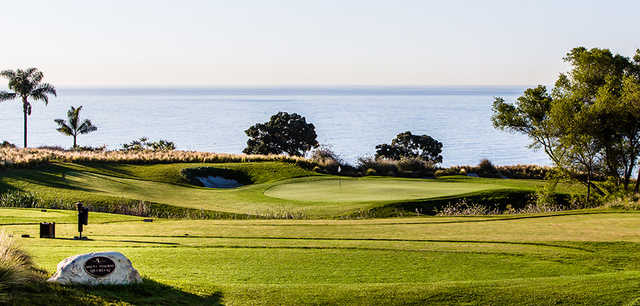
371, 189
276, 187
579, 257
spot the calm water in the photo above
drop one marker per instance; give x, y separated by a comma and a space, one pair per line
351, 120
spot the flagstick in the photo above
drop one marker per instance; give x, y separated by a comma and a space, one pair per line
339, 178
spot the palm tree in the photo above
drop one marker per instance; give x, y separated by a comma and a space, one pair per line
73, 127
26, 84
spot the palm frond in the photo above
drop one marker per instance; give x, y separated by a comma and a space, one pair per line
87, 127
71, 127
8, 74
63, 127
34, 75
42, 91
4, 96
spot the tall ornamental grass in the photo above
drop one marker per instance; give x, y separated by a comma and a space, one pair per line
16, 267
21, 158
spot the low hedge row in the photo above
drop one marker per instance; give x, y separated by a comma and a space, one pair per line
498, 200
21, 199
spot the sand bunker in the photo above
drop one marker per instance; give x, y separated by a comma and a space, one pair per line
218, 182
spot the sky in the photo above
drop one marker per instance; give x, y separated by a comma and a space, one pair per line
307, 43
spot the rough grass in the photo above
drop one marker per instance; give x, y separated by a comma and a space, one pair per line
279, 190
16, 268
578, 257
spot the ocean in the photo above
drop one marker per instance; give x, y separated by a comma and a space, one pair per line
350, 120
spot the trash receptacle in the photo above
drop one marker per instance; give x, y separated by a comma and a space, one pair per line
47, 230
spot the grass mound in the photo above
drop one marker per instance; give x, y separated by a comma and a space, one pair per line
278, 190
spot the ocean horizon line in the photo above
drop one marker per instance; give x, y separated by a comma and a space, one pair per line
430, 90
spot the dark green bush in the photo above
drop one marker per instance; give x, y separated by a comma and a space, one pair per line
414, 167
90, 148
487, 169
6, 144
143, 144
381, 166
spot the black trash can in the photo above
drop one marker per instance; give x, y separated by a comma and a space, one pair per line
47, 230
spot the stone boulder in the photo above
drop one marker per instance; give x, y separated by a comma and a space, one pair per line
102, 268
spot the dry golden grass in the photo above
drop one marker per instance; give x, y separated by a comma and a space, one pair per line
12, 157
16, 267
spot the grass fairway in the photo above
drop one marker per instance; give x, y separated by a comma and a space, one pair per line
581, 257
276, 187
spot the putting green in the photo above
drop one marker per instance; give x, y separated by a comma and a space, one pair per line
371, 189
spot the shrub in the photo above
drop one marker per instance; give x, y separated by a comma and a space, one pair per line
525, 171
407, 145
487, 169
143, 144
330, 161
381, 166
371, 171
546, 196
515, 171
627, 203
414, 167
6, 144
465, 208
90, 148
324, 153
440, 172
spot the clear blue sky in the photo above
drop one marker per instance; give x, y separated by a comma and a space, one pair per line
221, 43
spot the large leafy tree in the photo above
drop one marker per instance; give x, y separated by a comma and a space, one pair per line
73, 126
590, 122
26, 85
407, 145
530, 115
283, 133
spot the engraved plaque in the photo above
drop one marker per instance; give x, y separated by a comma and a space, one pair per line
99, 266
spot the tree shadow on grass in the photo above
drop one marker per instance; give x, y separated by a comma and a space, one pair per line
148, 293
47, 178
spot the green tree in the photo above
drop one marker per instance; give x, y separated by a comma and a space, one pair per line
26, 85
284, 132
590, 122
631, 105
407, 145
530, 115
73, 126
594, 87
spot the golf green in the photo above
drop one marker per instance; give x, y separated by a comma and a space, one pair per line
371, 189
